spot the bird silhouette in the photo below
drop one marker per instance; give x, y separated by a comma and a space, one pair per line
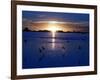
40, 50
43, 47
25, 40
79, 47
63, 47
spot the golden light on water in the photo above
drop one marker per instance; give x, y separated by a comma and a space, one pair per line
53, 28
53, 43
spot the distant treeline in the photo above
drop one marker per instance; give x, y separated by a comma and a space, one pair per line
27, 30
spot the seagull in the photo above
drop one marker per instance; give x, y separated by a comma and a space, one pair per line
25, 40
63, 47
79, 47
43, 47
40, 50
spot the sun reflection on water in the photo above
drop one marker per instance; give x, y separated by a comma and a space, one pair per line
53, 27
53, 40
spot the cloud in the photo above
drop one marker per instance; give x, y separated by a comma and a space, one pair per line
33, 24
83, 23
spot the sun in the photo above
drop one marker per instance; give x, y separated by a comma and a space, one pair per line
53, 28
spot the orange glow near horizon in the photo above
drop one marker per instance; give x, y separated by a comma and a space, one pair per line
53, 28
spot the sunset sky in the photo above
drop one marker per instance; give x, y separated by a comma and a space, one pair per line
36, 21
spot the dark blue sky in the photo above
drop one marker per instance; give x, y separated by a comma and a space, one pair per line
49, 16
